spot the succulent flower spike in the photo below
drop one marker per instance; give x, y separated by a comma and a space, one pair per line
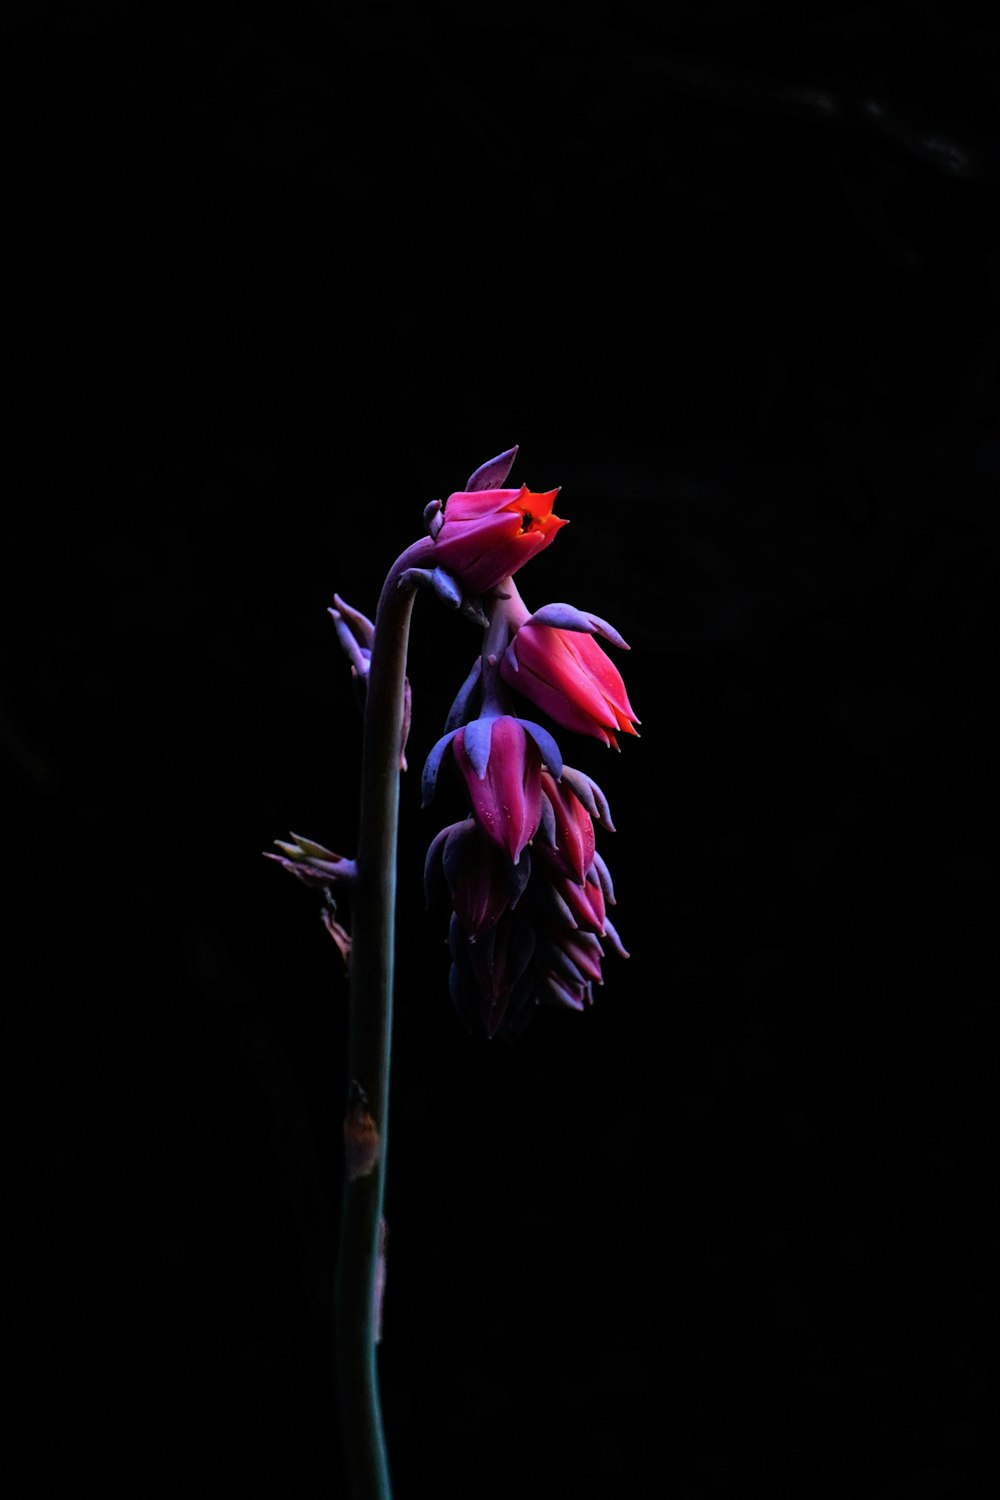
490, 533
528, 889
566, 673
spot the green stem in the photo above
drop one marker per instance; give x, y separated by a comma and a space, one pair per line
373, 924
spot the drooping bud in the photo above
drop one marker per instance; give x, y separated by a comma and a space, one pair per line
566, 673
482, 883
572, 828
501, 765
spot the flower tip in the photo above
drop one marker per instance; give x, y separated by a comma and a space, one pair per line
492, 474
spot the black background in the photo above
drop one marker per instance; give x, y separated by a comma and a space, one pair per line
283, 275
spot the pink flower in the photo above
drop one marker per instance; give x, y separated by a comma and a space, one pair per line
582, 903
480, 881
500, 758
488, 534
566, 673
502, 768
571, 830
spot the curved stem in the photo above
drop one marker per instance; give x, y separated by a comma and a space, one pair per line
358, 1293
506, 609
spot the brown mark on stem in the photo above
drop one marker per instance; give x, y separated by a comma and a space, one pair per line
361, 1142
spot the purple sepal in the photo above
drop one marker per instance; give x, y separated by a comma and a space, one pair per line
436, 579
560, 959
446, 588
491, 475
362, 627
590, 795
604, 876
568, 617
432, 765
459, 710
563, 994
612, 936
551, 754
476, 739
433, 864
358, 655
547, 827
356, 634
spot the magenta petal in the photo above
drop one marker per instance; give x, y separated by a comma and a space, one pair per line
507, 800
466, 505
515, 773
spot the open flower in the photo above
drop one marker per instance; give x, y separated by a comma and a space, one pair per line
566, 673
488, 534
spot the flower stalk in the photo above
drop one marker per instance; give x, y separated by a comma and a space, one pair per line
528, 889
373, 900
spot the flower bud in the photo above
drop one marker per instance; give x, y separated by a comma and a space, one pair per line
566, 673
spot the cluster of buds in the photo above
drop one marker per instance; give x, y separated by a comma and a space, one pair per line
529, 891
